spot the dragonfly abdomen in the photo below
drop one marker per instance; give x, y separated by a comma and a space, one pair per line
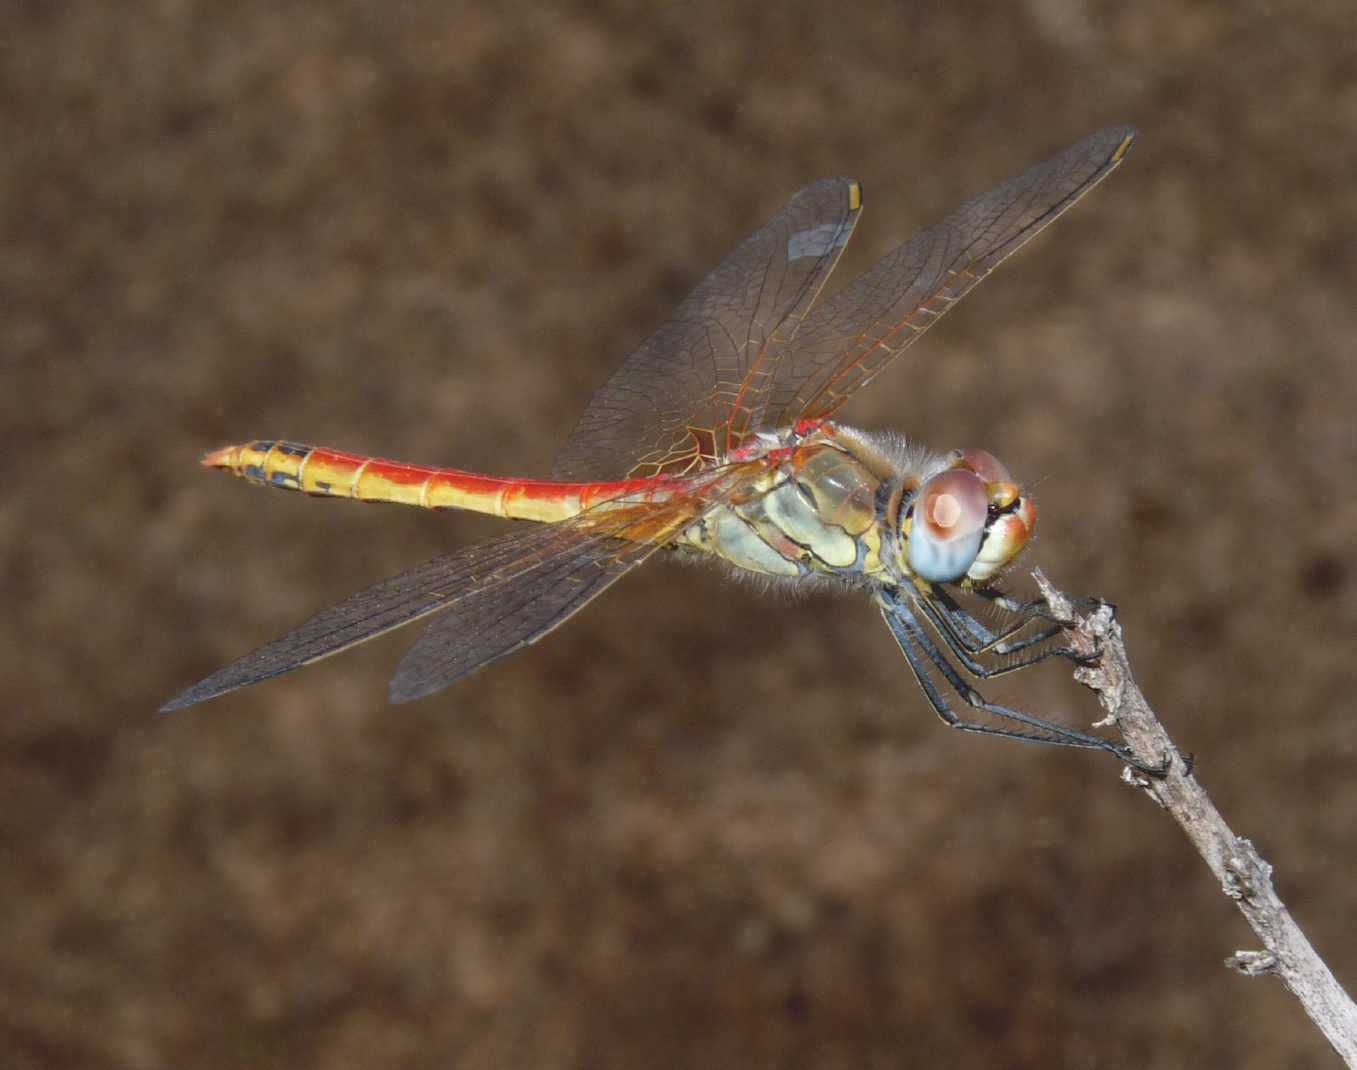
323, 472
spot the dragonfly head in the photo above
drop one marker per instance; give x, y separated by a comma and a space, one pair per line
967, 523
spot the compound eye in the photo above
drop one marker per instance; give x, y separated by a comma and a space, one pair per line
999, 485
949, 524
987, 466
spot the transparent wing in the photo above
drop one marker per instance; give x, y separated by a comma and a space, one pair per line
846, 340
698, 385
491, 621
510, 591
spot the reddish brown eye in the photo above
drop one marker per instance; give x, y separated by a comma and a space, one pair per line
949, 523
999, 485
985, 465
944, 511
953, 504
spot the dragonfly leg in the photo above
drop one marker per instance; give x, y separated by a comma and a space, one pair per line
1036, 609
922, 653
967, 638
974, 636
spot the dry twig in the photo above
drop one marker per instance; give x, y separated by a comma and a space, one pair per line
1243, 874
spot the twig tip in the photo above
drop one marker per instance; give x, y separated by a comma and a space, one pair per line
1253, 963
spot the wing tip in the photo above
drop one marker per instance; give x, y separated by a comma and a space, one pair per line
398, 695
1126, 135
181, 701
203, 690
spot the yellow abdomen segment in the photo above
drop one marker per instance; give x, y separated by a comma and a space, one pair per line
331, 473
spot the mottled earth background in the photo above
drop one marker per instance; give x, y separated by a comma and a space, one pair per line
700, 826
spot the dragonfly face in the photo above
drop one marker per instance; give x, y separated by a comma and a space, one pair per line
715, 436
967, 523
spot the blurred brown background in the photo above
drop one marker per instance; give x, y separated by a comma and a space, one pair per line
699, 827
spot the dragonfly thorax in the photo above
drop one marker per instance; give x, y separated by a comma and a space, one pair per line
812, 508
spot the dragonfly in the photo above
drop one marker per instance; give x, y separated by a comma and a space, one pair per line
716, 439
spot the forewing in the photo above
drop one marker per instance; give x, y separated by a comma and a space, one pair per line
699, 384
853, 335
